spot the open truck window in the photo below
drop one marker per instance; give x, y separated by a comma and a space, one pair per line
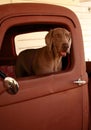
23, 37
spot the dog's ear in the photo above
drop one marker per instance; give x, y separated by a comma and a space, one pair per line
70, 42
48, 39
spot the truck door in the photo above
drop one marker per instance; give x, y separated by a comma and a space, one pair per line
56, 101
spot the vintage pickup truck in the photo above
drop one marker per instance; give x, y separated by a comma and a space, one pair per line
58, 101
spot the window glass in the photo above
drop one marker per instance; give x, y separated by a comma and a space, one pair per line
30, 40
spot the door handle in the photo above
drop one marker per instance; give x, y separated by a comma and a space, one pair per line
80, 82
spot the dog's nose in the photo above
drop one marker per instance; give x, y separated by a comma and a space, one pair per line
65, 46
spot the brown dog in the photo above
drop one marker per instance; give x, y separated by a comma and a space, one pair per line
47, 59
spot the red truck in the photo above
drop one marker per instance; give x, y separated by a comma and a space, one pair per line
58, 101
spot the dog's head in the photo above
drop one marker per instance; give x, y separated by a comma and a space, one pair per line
59, 40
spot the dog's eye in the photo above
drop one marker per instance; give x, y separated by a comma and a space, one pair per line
67, 36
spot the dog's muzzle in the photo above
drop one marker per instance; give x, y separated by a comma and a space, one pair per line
64, 50
65, 47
